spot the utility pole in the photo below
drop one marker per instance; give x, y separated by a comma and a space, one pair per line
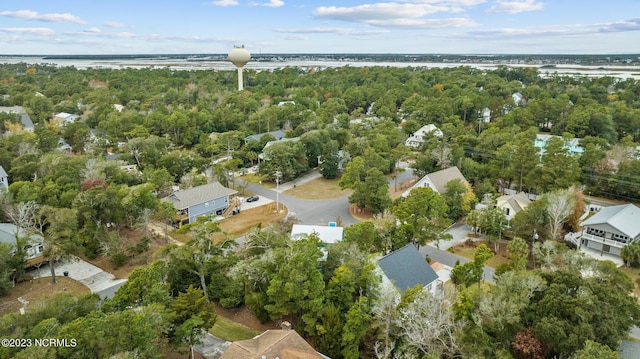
278, 175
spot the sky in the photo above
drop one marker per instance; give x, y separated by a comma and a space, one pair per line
74, 27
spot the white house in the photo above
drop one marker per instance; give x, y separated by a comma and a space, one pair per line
406, 268
4, 179
63, 118
326, 234
609, 230
417, 138
437, 181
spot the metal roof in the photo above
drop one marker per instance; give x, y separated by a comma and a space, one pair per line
186, 198
625, 218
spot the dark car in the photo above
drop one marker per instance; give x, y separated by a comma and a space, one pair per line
253, 199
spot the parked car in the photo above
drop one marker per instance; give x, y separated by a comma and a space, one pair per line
253, 199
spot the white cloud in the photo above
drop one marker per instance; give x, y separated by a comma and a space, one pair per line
560, 30
115, 24
225, 3
274, 3
331, 30
43, 31
397, 15
32, 15
514, 7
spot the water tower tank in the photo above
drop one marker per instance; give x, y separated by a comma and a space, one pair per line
239, 56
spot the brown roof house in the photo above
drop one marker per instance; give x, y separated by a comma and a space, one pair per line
437, 181
210, 198
282, 344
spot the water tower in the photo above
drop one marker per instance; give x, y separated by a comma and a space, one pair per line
239, 57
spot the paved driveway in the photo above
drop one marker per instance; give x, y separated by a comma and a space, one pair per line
98, 281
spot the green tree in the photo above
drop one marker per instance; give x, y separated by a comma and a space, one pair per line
193, 314
422, 215
459, 198
357, 323
297, 288
595, 350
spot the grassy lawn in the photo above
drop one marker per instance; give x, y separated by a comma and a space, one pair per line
248, 219
320, 188
634, 275
37, 289
467, 252
229, 330
240, 224
259, 179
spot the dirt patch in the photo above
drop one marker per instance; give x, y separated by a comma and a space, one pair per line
320, 188
362, 215
244, 316
131, 238
37, 288
397, 189
468, 248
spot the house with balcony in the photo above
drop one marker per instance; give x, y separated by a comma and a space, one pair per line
208, 199
612, 228
33, 245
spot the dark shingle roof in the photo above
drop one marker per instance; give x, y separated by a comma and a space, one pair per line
407, 268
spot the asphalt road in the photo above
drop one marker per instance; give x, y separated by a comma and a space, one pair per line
315, 212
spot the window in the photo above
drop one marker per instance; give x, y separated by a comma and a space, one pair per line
606, 248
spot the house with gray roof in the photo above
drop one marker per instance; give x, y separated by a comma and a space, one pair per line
438, 180
34, 245
25, 120
406, 268
4, 179
191, 203
612, 228
278, 134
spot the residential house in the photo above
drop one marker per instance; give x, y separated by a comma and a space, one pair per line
63, 118
25, 120
34, 246
518, 99
511, 204
326, 234
270, 143
612, 228
406, 268
437, 181
282, 343
191, 203
571, 144
278, 134
485, 114
4, 179
418, 138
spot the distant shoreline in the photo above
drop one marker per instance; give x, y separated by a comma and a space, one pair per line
620, 66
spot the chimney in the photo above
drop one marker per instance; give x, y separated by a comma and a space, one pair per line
285, 325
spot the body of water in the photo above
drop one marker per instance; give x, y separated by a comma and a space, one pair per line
187, 63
